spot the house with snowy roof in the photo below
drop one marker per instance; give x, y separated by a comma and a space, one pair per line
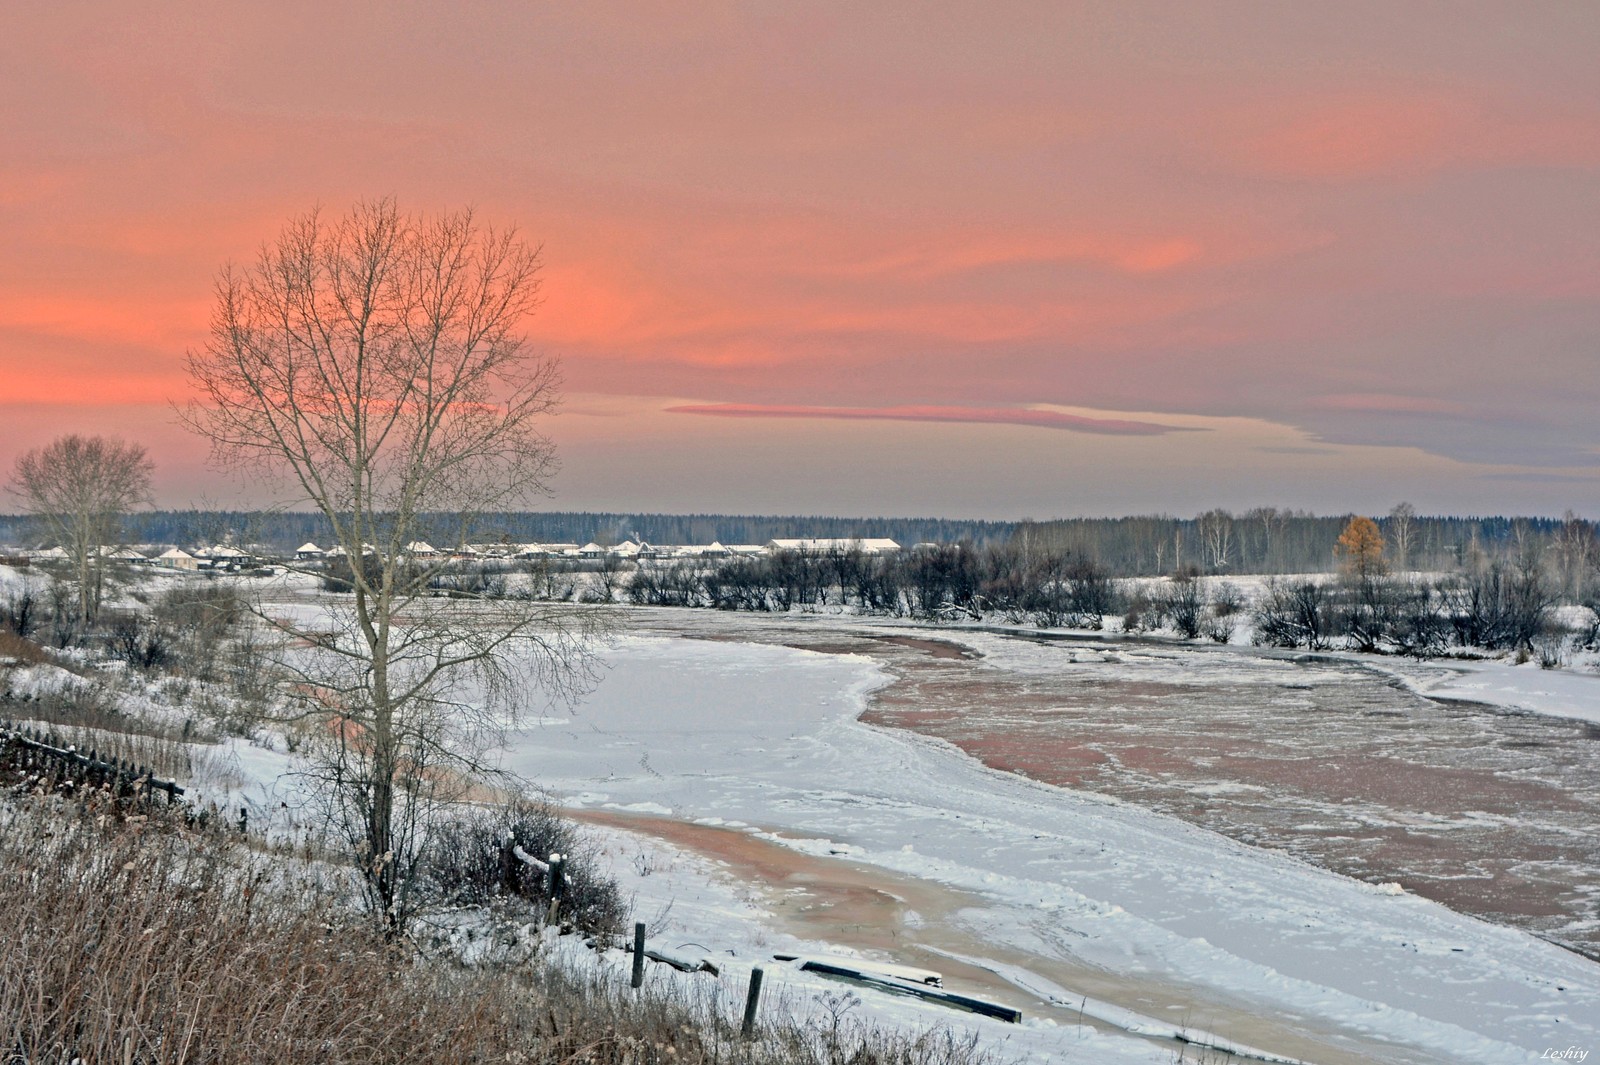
712, 550
546, 550
837, 545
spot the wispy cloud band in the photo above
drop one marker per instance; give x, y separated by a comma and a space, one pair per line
1043, 419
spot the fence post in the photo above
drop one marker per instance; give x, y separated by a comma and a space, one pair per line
638, 955
751, 1001
508, 865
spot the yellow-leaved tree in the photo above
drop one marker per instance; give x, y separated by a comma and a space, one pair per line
1360, 550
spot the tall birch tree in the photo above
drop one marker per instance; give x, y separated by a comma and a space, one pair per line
373, 363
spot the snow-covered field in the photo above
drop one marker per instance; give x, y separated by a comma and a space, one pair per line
767, 736
1112, 926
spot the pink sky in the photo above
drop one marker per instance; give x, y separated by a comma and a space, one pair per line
1000, 260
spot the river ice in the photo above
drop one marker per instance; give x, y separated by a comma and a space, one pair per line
768, 735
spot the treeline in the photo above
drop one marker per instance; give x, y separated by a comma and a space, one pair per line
286, 530
1272, 541
1495, 604
1263, 540
945, 581
1499, 606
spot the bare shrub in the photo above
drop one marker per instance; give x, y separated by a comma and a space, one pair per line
137, 640
465, 863
1295, 614
1553, 647
20, 611
1218, 628
199, 620
1184, 602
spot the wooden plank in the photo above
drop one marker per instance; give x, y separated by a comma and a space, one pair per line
916, 975
923, 991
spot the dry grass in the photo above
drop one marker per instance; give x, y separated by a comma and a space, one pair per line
20, 649
130, 939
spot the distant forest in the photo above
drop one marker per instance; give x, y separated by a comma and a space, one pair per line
284, 531
1262, 540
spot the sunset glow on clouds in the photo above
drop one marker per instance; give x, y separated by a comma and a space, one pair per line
1364, 231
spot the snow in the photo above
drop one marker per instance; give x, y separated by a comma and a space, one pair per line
764, 740
767, 736
1525, 687
693, 904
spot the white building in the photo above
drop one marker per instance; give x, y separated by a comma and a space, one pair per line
824, 546
546, 550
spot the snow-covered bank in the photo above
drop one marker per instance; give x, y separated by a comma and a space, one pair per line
1524, 688
767, 735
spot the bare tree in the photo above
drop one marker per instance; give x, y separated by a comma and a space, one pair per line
1216, 537
374, 363
1575, 551
1401, 520
81, 486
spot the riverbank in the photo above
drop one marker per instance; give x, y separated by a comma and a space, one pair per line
696, 721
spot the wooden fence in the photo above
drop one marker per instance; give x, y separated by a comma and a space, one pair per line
32, 751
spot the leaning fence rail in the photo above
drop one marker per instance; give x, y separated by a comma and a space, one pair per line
31, 750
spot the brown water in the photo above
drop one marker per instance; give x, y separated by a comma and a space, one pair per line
1490, 813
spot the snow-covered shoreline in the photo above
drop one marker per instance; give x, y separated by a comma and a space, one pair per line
767, 735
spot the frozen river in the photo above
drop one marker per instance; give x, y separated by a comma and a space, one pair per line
1126, 871
1488, 812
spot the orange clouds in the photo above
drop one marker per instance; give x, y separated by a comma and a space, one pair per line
841, 213
106, 320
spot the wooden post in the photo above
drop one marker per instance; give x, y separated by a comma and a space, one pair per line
638, 955
508, 865
554, 877
751, 1001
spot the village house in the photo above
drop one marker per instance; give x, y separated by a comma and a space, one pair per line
530, 551
825, 546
